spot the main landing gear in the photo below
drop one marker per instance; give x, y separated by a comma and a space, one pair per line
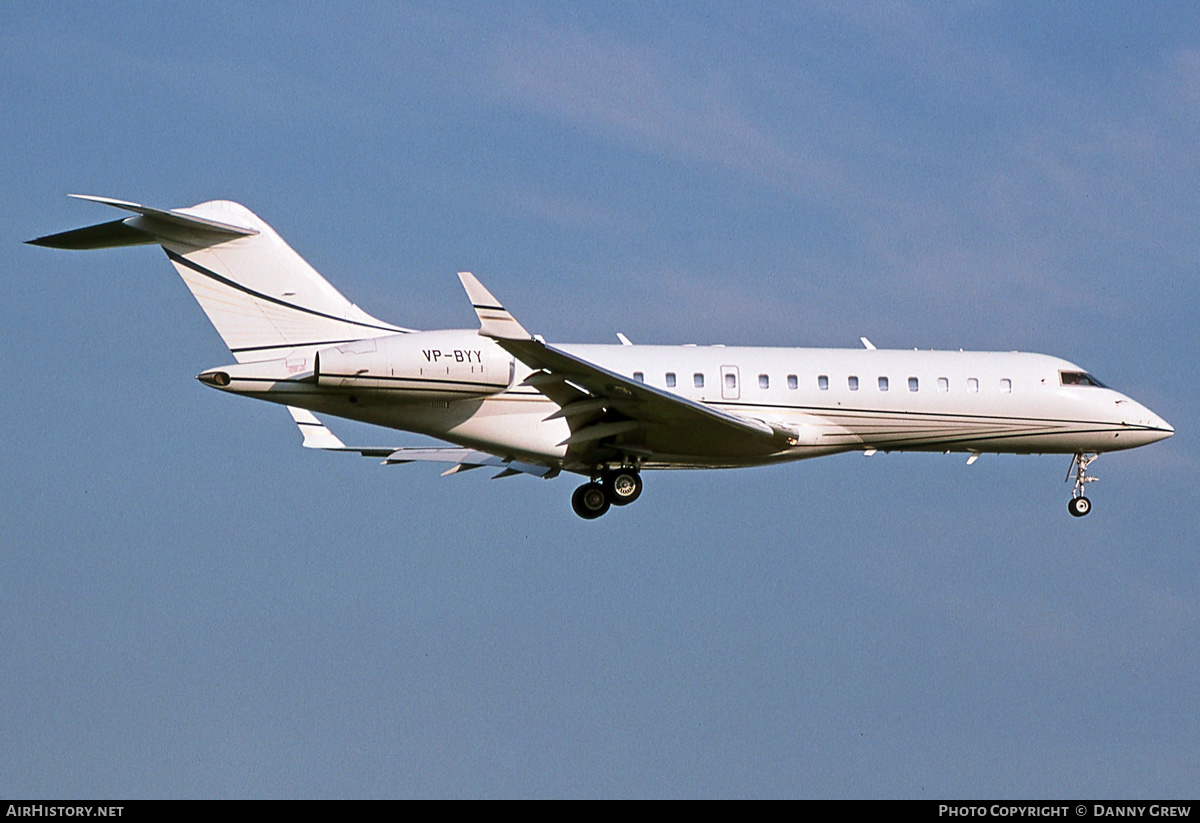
1080, 505
614, 488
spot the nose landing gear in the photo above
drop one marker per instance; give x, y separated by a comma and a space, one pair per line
615, 488
1080, 505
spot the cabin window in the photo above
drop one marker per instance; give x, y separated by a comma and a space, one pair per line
973, 384
698, 380
730, 380
639, 376
670, 380
943, 385
852, 383
823, 382
764, 382
793, 382
883, 384
1079, 378
1006, 386
913, 384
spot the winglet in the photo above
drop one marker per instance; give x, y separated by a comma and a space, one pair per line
494, 319
316, 435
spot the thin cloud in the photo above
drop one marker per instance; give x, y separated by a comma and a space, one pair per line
1035, 205
999, 190
573, 212
643, 100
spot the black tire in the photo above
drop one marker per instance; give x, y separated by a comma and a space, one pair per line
623, 487
590, 501
1079, 506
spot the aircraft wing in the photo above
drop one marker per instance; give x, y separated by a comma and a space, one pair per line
318, 436
466, 459
611, 415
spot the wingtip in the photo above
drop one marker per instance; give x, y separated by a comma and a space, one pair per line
477, 293
315, 433
108, 201
494, 320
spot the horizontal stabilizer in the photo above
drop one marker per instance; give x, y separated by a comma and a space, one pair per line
146, 229
112, 235
176, 217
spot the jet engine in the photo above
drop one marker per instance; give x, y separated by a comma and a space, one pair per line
430, 365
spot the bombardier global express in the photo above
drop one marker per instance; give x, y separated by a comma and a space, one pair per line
509, 400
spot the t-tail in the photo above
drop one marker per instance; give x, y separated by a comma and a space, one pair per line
265, 301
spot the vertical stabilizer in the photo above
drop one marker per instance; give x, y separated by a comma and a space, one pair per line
265, 301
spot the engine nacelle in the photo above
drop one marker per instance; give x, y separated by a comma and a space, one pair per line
427, 365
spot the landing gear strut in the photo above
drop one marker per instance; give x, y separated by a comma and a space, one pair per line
614, 488
1080, 505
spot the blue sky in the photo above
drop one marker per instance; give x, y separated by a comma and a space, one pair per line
195, 606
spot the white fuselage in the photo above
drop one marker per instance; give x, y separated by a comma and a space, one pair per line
508, 400
833, 400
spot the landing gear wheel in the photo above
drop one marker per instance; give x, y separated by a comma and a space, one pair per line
590, 501
1080, 505
623, 486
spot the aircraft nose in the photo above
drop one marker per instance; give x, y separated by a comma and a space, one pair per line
1155, 427
1164, 428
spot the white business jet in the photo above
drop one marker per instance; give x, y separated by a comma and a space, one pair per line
509, 400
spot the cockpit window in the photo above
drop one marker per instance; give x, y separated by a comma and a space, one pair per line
1079, 378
